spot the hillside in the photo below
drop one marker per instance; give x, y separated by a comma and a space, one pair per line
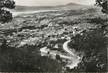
22, 39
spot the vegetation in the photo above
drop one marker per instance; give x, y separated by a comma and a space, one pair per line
103, 4
26, 59
6, 16
21, 40
94, 44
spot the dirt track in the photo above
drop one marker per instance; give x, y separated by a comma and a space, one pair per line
73, 58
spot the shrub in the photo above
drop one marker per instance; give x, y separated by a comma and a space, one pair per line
94, 44
6, 16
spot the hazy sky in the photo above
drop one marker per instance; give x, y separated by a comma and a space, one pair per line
51, 2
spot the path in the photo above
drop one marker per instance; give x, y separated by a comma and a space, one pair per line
72, 57
75, 59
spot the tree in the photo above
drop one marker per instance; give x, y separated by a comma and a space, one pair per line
5, 15
103, 4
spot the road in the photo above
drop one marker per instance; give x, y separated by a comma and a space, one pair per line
72, 57
75, 59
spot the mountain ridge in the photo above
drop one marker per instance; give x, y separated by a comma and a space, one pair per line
66, 6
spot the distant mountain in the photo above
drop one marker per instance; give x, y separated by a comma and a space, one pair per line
31, 8
59, 7
72, 6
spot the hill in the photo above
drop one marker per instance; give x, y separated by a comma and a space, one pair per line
28, 33
59, 7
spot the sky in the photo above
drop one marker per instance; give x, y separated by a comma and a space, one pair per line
51, 2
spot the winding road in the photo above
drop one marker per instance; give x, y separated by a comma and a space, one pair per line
75, 59
72, 57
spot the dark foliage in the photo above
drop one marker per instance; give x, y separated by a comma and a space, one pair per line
94, 45
6, 16
97, 20
103, 4
25, 59
7, 3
